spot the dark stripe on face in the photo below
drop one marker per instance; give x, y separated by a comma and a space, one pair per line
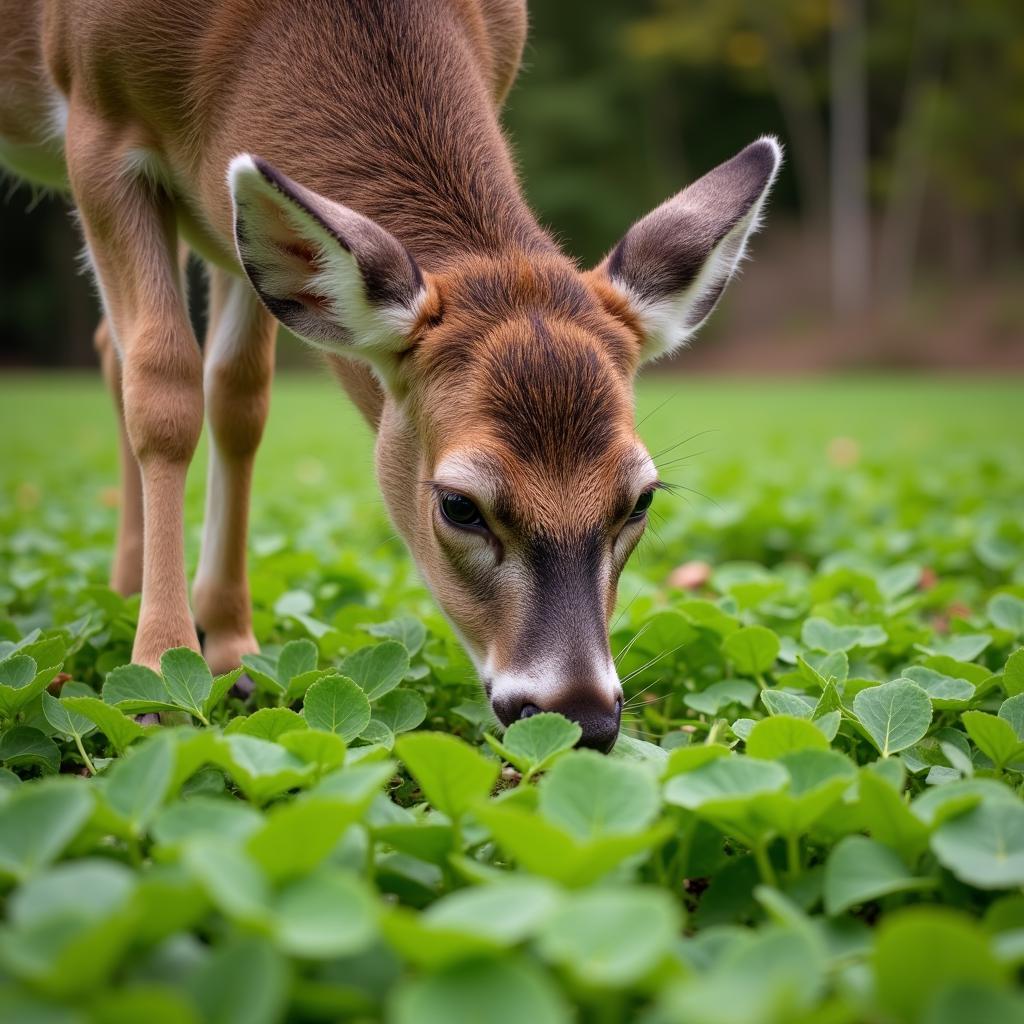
564, 617
550, 404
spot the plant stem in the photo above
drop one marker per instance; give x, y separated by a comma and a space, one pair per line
85, 757
793, 858
764, 865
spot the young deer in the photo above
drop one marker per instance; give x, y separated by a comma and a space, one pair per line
340, 168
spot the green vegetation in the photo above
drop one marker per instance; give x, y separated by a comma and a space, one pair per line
814, 814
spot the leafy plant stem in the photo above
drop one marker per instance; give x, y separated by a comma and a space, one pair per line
794, 861
85, 757
764, 864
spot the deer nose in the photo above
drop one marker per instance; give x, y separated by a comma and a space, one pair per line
598, 723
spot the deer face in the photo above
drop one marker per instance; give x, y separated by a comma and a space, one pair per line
506, 447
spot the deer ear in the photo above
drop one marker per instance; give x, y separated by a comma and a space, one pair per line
674, 264
329, 274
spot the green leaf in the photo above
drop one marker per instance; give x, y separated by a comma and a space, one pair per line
297, 836
121, 730
232, 880
752, 649
896, 715
327, 914
25, 747
215, 817
63, 719
961, 647
337, 704
22, 679
506, 991
984, 846
187, 679
136, 690
377, 669
888, 818
219, 689
612, 937
262, 769
820, 634
452, 775
533, 744
325, 750
859, 869
268, 723
546, 849
995, 737
409, 632
1013, 673
244, 981
783, 734
135, 787
720, 695
1007, 612
590, 795
37, 822
297, 657
400, 710
725, 780
1012, 711
83, 888
944, 691
920, 945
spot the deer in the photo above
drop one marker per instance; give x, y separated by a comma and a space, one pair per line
340, 168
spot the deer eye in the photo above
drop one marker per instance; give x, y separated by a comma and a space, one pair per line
643, 503
460, 511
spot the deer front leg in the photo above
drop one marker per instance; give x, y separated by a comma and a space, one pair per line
130, 229
239, 366
126, 572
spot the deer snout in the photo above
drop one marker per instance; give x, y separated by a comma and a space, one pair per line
597, 715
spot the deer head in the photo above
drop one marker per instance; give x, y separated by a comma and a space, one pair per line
506, 448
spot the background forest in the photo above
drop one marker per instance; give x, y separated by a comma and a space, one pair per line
896, 234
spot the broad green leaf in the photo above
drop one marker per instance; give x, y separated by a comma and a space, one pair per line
187, 678
329, 913
22, 679
959, 647
88, 888
1013, 673
533, 744
1012, 711
820, 634
337, 704
505, 991
24, 747
63, 719
896, 715
452, 775
859, 869
920, 945
720, 695
262, 769
244, 981
232, 879
135, 786
268, 723
781, 702
984, 846
994, 736
135, 689
297, 657
37, 822
752, 649
545, 849
400, 710
612, 937
725, 780
590, 795
325, 750
297, 836
783, 734
377, 669
944, 691
112, 722
262, 670
219, 689
1007, 612
409, 632
215, 817
888, 818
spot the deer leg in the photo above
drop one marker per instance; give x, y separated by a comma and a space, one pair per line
130, 229
126, 572
238, 368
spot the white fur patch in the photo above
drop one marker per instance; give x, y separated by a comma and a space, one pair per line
544, 684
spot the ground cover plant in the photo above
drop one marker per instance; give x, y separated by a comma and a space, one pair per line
814, 812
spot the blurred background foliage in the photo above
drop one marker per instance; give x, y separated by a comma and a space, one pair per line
896, 233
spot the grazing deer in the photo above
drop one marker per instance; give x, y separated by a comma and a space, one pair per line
339, 166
